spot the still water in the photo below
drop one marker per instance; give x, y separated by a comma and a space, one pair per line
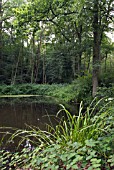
18, 115
21, 115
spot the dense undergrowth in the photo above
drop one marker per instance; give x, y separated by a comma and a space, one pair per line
79, 90
80, 142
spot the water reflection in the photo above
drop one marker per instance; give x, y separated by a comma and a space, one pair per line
18, 115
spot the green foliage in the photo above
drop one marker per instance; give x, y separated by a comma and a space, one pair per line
84, 126
85, 141
64, 93
107, 72
58, 43
61, 58
106, 91
83, 88
74, 156
27, 89
78, 90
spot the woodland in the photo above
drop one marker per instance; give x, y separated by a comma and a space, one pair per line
56, 42
63, 49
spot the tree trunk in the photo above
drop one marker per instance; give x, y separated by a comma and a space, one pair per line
96, 48
44, 71
16, 70
38, 60
106, 55
88, 64
79, 63
79, 35
74, 66
32, 58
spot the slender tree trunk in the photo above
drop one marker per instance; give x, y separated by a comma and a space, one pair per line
16, 69
96, 48
106, 55
32, 58
79, 63
74, 66
22, 61
38, 59
44, 71
79, 34
88, 63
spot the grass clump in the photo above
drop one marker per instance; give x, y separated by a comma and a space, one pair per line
77, 142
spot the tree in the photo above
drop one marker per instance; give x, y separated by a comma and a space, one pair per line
101, 19
78, 28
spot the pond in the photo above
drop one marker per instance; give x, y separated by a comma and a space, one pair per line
18, 115
21, 114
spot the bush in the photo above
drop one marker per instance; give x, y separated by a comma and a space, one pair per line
106, 91
82, 87
9, 90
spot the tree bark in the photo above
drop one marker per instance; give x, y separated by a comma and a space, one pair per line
79, 35
96, 48
106, 55
32, 58
16, 70
38, 59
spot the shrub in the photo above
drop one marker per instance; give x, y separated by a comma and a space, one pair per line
8, 90
106, 91
82, 87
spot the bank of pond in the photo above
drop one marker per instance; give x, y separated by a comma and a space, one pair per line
79, 90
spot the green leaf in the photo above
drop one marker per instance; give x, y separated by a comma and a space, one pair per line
71, 155
75, 166
90, 168
88, 157
96, 165
90, 142
95, 160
